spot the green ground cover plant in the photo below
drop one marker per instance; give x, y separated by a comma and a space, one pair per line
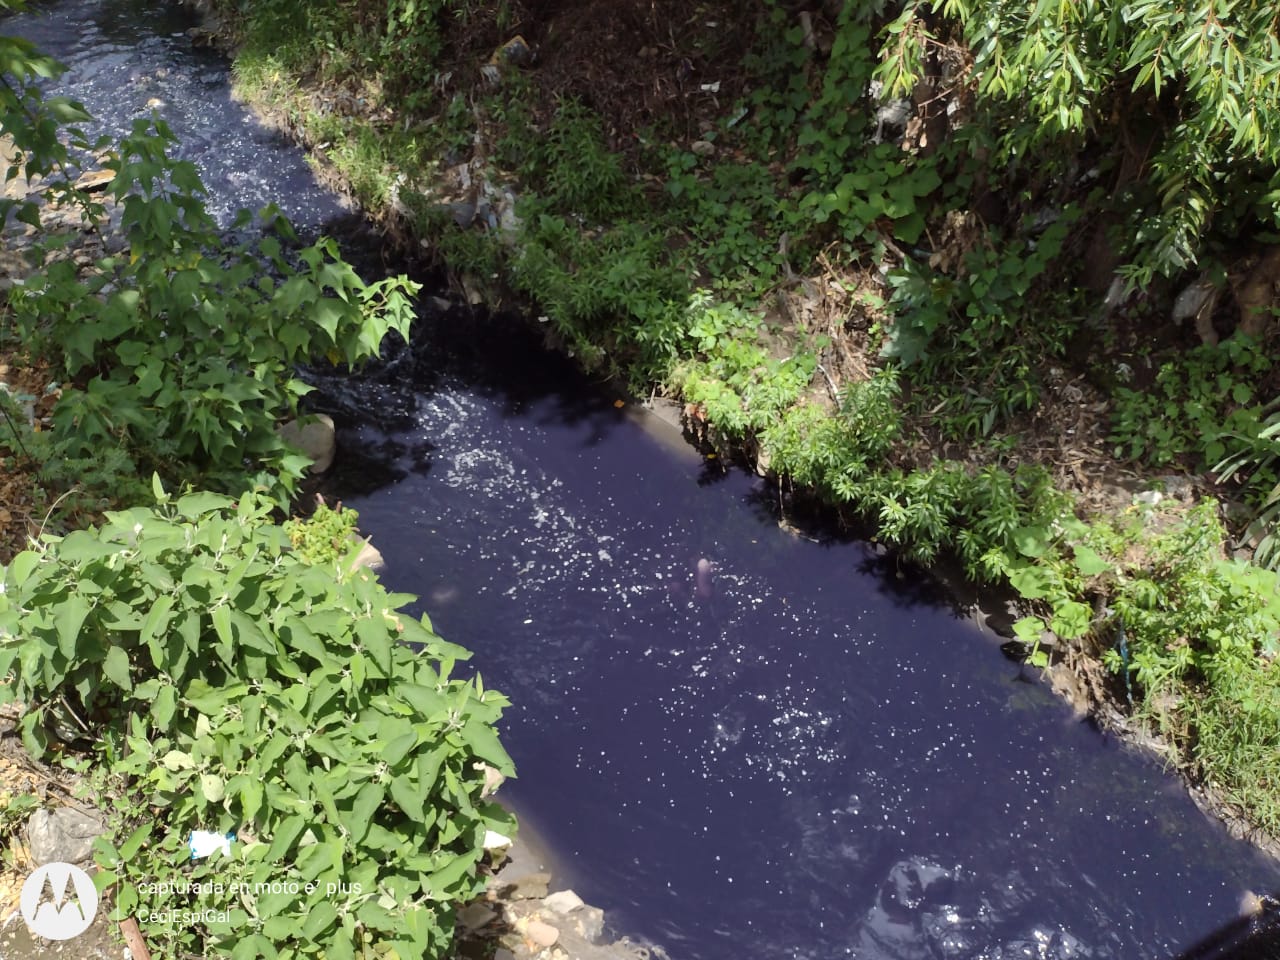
227, 684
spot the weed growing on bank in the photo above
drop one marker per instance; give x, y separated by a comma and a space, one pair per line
224, 683
200, 668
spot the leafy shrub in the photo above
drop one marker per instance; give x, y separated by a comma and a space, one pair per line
573, 169
1255, 462
1202, 404
186, 350
325, 537
742, 387
230, 686
970, 335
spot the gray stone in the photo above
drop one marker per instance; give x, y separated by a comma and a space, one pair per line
91, 181
532, 886
541, 933
1149, 498
1192, 299
369, 557
588, 923
1178, 486
703, 148
563, 901
314, 436
476, 915
63, 835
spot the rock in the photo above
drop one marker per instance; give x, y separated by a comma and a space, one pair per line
492, 781
1178, 486
532, 886
508, 223
1256, 293
542, 934
588, 923
515, 52
703, 148
369, 557
891, 115
476, 915
314, 436
563, 901
63, 835
92, 181
495, 842
1197, 302
1149, 498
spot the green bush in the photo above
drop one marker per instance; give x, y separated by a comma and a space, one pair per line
227, 685
185, 350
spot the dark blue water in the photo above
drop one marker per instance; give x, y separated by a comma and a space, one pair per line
130, 57
816, 759
799, 755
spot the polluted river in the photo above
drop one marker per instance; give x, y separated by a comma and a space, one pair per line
740, 742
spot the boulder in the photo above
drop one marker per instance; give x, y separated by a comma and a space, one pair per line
541, 934
91, 181
314, 436
563, 901
369, 557
62, 835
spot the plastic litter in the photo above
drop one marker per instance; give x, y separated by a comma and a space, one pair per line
203, 843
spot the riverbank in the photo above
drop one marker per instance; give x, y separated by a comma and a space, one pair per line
648, 237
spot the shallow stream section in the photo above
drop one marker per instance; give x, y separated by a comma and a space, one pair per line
743, 744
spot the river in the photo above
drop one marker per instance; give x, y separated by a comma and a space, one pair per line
743, 743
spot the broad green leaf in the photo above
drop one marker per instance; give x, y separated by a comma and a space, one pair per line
409, 797
67, 622
366, 804
118, 669
81, 546
222, 624
1028, 629
377, 642
425, 700
22, 566
319, 918
212, 786
1031, 542
250, 798
1089, 562
483, 741
398, 747
176, 760
130, 848
162, 708
1033, 583
284, 837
